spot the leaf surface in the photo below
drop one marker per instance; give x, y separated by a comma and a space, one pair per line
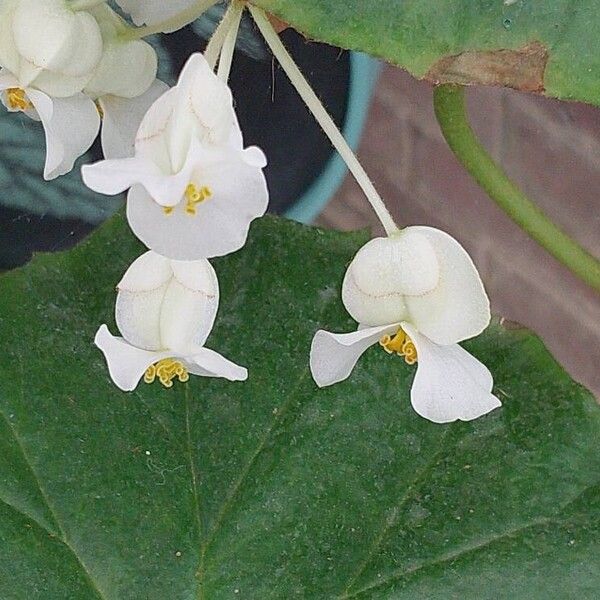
273, 488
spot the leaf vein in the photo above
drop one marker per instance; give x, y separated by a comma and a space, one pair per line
64, 539
390, 520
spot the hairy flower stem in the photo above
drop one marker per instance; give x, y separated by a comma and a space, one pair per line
178, 21
217, 41
236, 8
449, 103
323, 118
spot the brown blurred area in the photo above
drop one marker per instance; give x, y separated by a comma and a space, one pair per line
550, 148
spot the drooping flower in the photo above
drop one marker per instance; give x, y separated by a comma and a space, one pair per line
165, 311
417, 294
48, 54
194, 188
66, 68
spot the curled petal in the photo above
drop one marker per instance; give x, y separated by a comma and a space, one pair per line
208, 363
458, 308
126, 363
334, 355
122, 118
450, 384
70, 125
114, 176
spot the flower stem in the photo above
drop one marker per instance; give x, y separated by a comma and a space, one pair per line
226, 58
176, 22
219, 36
449, 104
322, 116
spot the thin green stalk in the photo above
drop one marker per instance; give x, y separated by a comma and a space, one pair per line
450, 110
228, 48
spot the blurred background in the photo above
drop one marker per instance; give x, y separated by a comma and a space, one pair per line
551, 149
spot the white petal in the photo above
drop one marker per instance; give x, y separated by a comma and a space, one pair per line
126, 363
189, 306
458, 308
9, 56
146, 273
122, 118
126, 69
385, 271
7, 80
49, 35
151, 138
116, 175
70, 125
208, 363
333, 355
221, 223
151, 12
140, 299
450, 384
209, 100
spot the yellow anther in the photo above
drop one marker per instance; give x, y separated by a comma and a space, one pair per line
99, 109
166, 370
167, 210
17, 99
400, 344
195, 195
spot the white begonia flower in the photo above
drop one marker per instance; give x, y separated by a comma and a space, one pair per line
165, 311
87, 72
48, 53
194, 188
418, 294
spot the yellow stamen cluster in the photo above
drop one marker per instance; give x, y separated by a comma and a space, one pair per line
166, 370
193, 195
17, 99
400, 344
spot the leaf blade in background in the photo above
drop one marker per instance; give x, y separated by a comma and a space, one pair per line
550, 47
272, 487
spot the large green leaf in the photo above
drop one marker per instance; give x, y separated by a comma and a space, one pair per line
272, 488
550, 46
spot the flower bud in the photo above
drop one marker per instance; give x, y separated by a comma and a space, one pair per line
384, 272
167, 304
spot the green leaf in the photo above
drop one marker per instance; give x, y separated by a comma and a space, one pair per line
551, 46
273, 488
22, 155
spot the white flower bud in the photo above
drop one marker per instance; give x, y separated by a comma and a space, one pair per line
164, 304
384, 272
